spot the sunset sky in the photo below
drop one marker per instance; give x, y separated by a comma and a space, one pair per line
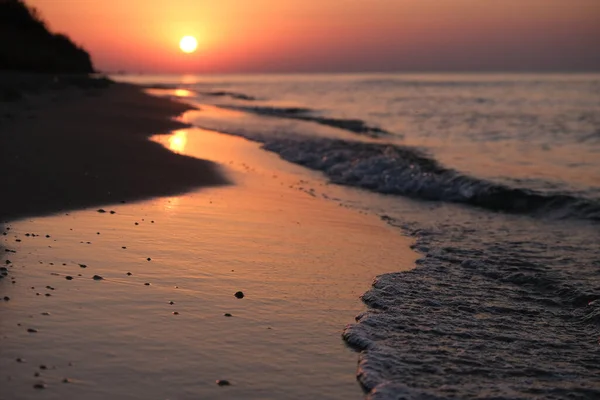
332, 35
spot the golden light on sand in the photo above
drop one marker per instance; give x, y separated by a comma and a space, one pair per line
177, 141
188, 44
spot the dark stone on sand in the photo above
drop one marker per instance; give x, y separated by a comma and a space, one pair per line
36, 374
97, 233
239, 295
45, 313
223, 382
6, 298
149, 259
101, 210
65, 380
31, 330
129, 274
39, 386
20, 360
69, 278
43, 367
47, 236
171, 302
123, 247
146, 284
97, 278
228, 315
47, 295
175, 313
17, 240
113, 212
82, 265
8, 262
137, 223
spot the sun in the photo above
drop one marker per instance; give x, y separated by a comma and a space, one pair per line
188, 44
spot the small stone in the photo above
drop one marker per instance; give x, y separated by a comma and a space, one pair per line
171, 302
223, 382
175, 313
65, 380
69, 278
101, 211
82, 266
47, 295
47, 236
239, 295
151, 222
228, 315
6, 298
43, 367
129, 274
123, 247
113, 212
149, 259
39, 386
31, 330
45, 313
137, 223
20, 360
97, 278
8, 262
36, 374
97, 233
146, 284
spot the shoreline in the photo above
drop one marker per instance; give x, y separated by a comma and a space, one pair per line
72, 143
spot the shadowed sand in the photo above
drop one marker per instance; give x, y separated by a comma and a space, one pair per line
70, 143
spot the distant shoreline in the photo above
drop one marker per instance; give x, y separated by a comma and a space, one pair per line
72, 142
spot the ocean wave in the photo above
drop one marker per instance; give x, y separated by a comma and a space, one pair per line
233, 95
352, 125
410, 172
484, 315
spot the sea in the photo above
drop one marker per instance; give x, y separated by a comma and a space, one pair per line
496, 177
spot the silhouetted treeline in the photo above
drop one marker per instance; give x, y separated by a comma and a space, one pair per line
26, 44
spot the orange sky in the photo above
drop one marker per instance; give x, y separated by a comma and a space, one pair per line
332, 35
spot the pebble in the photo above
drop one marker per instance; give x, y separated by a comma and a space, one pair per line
239, 295
47, 236
6, 298
175, 313
39, 386
123, 247
228, 315
147, 284
171, 302
36, 374
82, 265
129, 274
149, 259
223, 382
97, 278
69, 278
113, 212
65, 380
43, 367
31, 330
101, 211
20, 360
45, 313
47, 295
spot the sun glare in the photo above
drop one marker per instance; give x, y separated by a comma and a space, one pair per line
188, 44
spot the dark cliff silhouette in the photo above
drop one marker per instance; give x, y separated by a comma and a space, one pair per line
26, 44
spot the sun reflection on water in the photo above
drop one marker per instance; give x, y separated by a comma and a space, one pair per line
178, 141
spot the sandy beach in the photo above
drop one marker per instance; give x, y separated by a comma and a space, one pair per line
157, 324
70, 142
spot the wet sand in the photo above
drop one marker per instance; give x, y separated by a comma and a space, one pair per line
301, 259
69, 143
